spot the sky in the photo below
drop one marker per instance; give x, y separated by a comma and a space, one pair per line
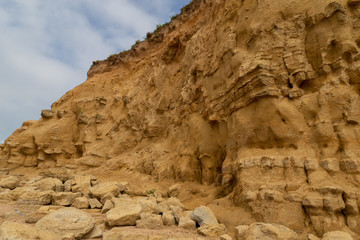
47, 47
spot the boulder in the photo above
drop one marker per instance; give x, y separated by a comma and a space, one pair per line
241, 232
186, 221
149, 221
10, 182
113, 234
215, 230
104, 188
43, 211
175, 202
161, 208
96, 232
148, 205
107, 196
67, 221
94, 203
125, 215
312, 237
80, 203
45, 184
269, 231
337, 235
168, 218
36, 198
225, 237
17, 192
62, 174
204, 216
107, 206
64, 198
82, 184
177, 212
18, 231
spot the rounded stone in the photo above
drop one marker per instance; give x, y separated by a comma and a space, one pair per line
67, 220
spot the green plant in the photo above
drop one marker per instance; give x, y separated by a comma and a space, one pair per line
152, 191
174, 16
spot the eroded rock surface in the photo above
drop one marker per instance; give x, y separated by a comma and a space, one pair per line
259, 99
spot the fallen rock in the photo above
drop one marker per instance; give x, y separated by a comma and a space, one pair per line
10, 182
53, 184
241, 232
113, 234
94, 203
212, 230
96, 232
67, 221
104, 188
60, 173
175, 202
186, 222
107, 206
148, 205
82, 184
204, 216
64, 198
312, 237
265, 231
17, 192
225, 237
168, 218
177, 212
161, 208
125, 215
337, 235
18, 231
149, 221
107, 196
36, 198
80, 203
43, 211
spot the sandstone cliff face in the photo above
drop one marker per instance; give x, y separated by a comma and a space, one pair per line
259, 97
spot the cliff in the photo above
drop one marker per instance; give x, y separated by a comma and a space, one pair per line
259, 99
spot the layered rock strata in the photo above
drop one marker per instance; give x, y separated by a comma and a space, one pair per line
260, 98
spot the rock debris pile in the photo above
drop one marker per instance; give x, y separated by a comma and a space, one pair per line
63, 211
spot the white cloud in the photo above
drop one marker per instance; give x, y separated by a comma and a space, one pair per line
46, 47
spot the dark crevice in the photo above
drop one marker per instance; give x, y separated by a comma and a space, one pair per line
307, 175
